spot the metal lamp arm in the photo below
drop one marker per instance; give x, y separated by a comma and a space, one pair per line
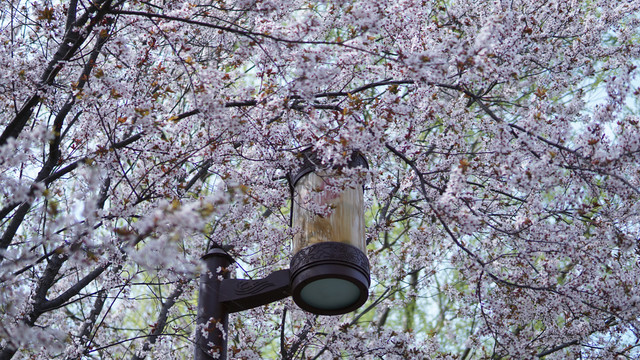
239, 294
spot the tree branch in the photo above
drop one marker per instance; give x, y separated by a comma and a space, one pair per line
70, 292
557, 348
237, 30
90, 322
74, 37
161, 321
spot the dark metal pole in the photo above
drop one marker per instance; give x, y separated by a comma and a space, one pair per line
212, 321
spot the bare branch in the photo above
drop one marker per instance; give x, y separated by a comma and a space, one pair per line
161, 321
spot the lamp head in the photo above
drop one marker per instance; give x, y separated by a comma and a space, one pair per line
329, 268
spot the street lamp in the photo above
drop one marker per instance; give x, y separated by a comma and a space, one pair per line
329, 268
329, 271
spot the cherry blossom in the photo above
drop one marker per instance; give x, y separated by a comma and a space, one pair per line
502, 193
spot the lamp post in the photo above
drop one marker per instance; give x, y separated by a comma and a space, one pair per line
329, 271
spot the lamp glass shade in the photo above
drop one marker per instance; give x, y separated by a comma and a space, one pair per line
323, 214
330, 294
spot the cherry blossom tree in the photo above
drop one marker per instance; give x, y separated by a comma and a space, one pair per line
502, 194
